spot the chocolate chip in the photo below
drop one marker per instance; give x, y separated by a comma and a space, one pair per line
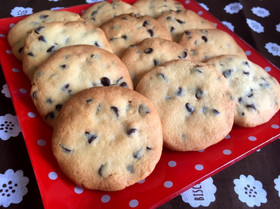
197, 69
250, 93
240, 100
30, 54
148, 148
89, 100
58, 107
20, 50
94, 13
123, 84
204, 38
156, 62
67, 150
90, 136
145, 23
246, 73
51, 49
143, 109
180, 21
161, 75
198, 93
125, 37
131, 131
37, 30
215, 111
105, 81
189, 107
187, 32
98, 109
227, 73
115, 110
42, 38
171, 29
245, 63
49, 101
49, 115
148, 51
112, 39
184, 55
179, 91
96, 44
101, 170
34, 94
151, 32
130, 168
251, 106
65, 87
137, 154
43, 16
62, 66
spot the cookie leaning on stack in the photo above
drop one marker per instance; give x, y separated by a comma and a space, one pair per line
70, 70
23, 28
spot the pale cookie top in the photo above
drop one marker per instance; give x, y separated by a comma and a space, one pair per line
194, 103
49, 37
70, 70
107, 138
19, 32
155, 8
128, 29
203, 44
178, 21
151, 52
257, 94
103, 11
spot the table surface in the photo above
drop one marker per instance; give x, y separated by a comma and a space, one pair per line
250, 183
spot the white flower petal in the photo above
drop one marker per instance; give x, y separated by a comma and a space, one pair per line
250, 191
9, 126
278, 27
12, 187
255, 26
204, 6
20, 11
6, 91
273, 48
229, 25
233, 8
260, 12
200, 195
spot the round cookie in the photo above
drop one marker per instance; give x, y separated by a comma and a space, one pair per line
47, 38
103, 11
257, 94
70, 70
194, 103
128, 29
178, 21
203, 44
107, 138
155, 8
19, 32
150, 52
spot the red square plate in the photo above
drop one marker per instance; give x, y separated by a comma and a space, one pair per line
175, 172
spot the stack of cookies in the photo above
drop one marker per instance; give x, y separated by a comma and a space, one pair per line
122, 81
